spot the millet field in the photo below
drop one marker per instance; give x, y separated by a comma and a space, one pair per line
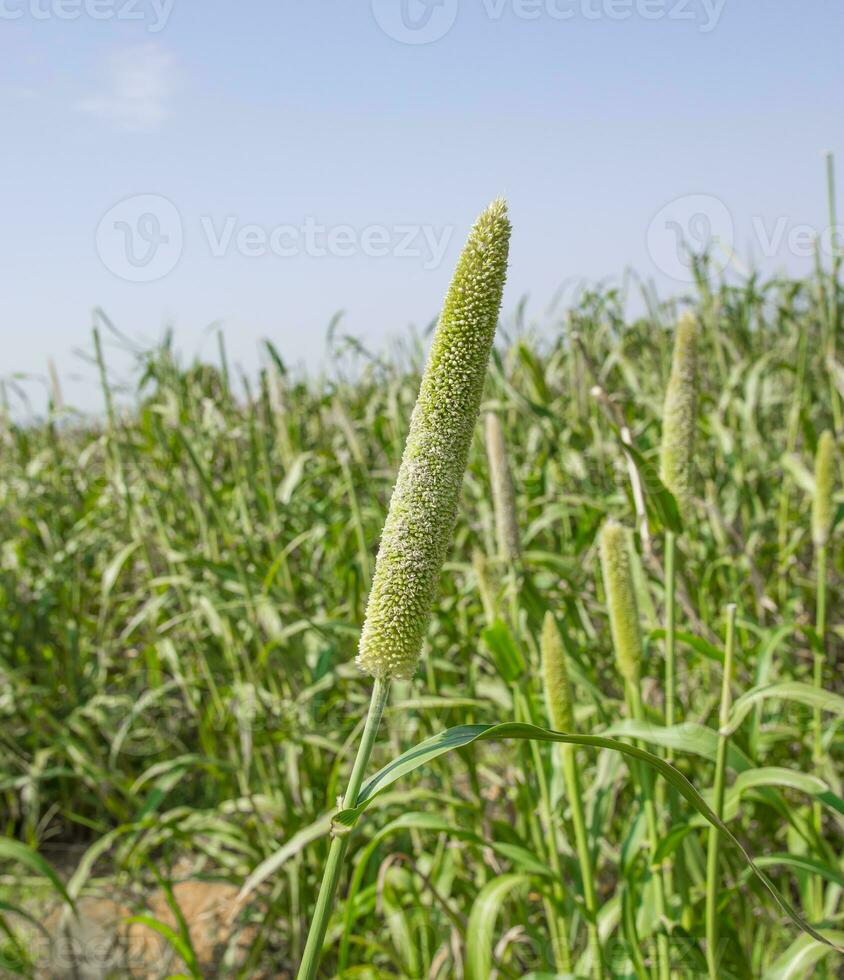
594, 731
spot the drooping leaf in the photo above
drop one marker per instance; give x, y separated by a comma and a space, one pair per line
463, 735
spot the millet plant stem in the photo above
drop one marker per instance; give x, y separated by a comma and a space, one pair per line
643, 778
545, 842
817, 721
339, 844
822, 523
584, 858
670, 628
833, 311
718, 799
562, 949
670, 667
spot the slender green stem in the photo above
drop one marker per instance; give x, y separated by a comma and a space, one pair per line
670, 629
670, 669
562, 952
817, 722
547, 846
643, 777
718, 800
340, 844
573, 790
833, 311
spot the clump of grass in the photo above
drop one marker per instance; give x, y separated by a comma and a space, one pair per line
180, 582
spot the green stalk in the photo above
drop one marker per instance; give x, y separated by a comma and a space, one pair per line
643, 777
817, 722
546, 845
670, 629
560, 708
340, 844
833, 312
718, 799
822, 522
562, 949
584, 858
670, 669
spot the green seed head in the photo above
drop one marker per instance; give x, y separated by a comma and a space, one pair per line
423, 507
503, 494
555, 677
680, 415
822, 511
621, 601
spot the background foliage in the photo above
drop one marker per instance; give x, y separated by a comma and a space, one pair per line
181, 590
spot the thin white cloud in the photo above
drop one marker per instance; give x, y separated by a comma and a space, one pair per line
138, 85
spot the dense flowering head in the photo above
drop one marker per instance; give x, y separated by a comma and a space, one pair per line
822, 512
555, 677
679, 416
423, 507
503, 494
621, 601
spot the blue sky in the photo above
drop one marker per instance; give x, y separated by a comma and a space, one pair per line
267, 164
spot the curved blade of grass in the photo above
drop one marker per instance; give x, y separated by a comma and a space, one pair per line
463, 735
12, 850
697, 643
801, 862
768, 778
689, 737
659, 501
793, 691
481, 931
182, 948
787, 779
799, 959
7, 907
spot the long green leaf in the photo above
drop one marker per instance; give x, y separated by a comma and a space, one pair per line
453, 738
12, 850
800, 959
172, 937
689, 737
793, 691
480, 935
